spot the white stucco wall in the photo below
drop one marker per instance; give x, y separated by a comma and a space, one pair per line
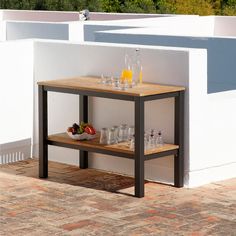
62, 16
2, 31
73, 31
25, 30
221, 51
46, 16
16, 100
91, 27
1, 15
225, 26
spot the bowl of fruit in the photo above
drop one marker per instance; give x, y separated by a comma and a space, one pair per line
83, 131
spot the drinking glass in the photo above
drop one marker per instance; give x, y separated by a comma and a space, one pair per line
130, 132
123, 133
111, 136
104, 136
106, 80
116, 133
132, 143
115, 83
103, 79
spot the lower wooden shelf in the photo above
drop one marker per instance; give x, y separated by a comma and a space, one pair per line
120, 149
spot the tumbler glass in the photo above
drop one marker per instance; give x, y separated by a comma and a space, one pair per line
130, 132
132, 143
103, 79
115, 83
106, 80
123, 133
104, 136
111, 136
116, 134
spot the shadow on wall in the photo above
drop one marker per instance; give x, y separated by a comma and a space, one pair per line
221, 54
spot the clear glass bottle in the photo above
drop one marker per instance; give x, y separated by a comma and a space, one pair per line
137, 68
159, 140
145, 141
152, 139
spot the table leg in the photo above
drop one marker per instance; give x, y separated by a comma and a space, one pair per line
139, 148
43, 132
179, 140
83, 116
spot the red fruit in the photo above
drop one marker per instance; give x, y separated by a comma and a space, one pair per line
93, 131
74, 131
89, 130
69, 129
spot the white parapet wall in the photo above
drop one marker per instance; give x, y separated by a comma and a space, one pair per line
62, 16
2, 31
91, 27
225, 26
43, 16
16, 100
82, 30
45, 30
161, 65
213, 156
221, 50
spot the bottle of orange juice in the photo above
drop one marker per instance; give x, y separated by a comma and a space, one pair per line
126, 74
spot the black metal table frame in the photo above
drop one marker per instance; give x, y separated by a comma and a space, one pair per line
139, 157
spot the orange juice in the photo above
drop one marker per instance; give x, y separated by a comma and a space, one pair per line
126, 75
141, 76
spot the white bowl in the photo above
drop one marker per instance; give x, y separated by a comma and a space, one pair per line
83, 136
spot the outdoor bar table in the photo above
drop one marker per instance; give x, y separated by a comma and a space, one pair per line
90, 86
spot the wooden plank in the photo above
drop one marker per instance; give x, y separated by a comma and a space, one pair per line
120, 147
92, 84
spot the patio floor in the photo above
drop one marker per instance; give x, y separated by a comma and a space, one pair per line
90, 202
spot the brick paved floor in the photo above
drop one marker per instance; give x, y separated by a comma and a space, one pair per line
82, 202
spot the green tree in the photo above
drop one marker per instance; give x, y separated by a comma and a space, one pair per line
41, 5
139, 6
229, 8
198, 7
111, 5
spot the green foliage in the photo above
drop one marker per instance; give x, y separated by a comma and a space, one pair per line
141, 6
200, 7
111, 5
229, 8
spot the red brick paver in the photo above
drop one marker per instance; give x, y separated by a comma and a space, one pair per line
90, 202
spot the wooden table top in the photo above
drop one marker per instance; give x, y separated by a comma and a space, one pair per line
92, 84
